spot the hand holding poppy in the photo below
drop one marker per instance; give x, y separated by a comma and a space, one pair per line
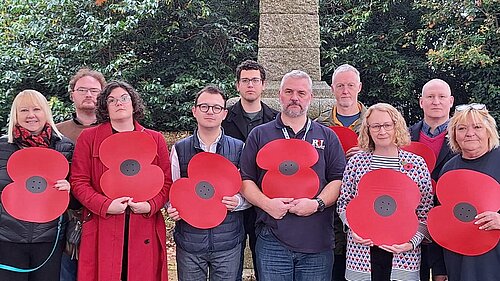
466, 222
139, 207
278, 207
397, 248
303, 207
356, 238
38, 192
384, 208
173, 214
488, 220
118, 206
62, 185
129, 157
231, 202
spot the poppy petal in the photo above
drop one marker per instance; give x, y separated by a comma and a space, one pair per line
218, 170
423, 151
386, 199
30, 161
303, 184
199, 212
452, 234
118, 148
463, 194
141, 186
274, 153
347, 137
34, 207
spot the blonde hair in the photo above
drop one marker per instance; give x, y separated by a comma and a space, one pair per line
477, 116
401, 134
29, 97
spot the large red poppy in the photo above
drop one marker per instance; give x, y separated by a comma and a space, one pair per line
129, 155
384, 209
463, 194
32, 196
423, 151
288, 163
347, 137
198, 198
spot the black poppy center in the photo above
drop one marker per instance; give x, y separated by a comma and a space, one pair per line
464, 212
385, 205
205, 190
288, 167
36, 184
130, 167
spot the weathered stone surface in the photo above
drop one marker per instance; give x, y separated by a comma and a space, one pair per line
278, 62
317, 105
289, 31
320, 89
289, 7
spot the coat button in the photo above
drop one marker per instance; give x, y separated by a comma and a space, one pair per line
146, 241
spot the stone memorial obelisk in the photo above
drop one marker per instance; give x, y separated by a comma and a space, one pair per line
289, 39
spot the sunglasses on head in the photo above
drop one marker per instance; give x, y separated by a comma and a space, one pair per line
476, 106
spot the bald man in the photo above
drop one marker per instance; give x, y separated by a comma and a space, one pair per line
436, 102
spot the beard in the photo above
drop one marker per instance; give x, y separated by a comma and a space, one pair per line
294, 113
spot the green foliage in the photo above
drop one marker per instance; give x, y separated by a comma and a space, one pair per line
168, 50
398, 45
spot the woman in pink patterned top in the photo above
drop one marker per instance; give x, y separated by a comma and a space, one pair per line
383, 132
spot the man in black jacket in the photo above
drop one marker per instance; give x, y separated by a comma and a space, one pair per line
436, 102
242, 117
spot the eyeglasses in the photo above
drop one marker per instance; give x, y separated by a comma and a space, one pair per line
123, 99
216, 109
377, 127
83, 91
247, 81
476, 106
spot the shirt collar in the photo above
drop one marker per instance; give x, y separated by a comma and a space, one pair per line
441, 128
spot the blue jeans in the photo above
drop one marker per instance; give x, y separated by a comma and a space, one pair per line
275, 262
220, 265
68, 268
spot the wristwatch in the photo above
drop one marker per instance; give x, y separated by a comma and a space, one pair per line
321, 204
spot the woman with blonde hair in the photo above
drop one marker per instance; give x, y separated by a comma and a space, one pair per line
382, 134
474, 136
27, 244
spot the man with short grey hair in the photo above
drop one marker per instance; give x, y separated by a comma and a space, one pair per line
347, 112
294, 235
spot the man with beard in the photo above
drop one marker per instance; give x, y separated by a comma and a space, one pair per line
84, 87
294, 235
436, 102
347, 112
242, 117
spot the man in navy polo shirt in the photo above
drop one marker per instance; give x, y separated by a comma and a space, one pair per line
294, 235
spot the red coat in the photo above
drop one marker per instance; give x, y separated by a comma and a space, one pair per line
101, 247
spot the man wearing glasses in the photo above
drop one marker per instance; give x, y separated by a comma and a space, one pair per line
215, 251
242, 117
84, 87
436, 101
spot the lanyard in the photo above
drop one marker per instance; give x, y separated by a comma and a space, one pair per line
308, 126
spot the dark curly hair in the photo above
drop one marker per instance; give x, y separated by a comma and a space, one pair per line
250, 65
102, 112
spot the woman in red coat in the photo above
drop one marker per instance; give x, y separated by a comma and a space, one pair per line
121, 239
